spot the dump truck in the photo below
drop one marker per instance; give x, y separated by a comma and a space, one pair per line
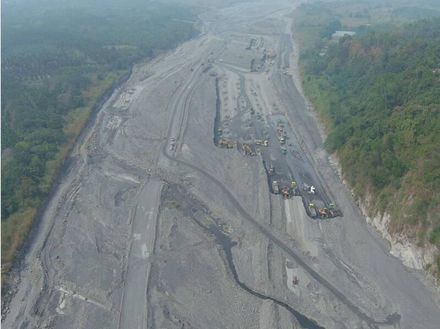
275, 187
271, 170
312, 210
334, 213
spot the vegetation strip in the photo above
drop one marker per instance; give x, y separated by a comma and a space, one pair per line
58, 60
378, 93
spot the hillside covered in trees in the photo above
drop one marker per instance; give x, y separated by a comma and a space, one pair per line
379, 95
59, 57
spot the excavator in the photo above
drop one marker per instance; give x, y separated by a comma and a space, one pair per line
323, 212
285, 192
226, 143
333, 211
263, 142
248, 150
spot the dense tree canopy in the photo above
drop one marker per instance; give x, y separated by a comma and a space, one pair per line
58, 58
380, 94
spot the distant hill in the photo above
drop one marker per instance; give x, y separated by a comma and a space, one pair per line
379, 94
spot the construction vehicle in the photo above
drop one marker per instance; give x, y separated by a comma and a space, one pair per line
263, 142
247, 148
285, 192
312, 209
271, 170
309, 189
323, 212
293, 187
295, 280
333, 211
226, 143
275, 187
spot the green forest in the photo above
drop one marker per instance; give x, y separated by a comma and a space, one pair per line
59, 57
378, 93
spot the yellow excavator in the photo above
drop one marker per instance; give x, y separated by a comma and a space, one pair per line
285, 192
226, 143
323, 212
248, 150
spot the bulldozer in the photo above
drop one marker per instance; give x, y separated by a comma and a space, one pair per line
312, 209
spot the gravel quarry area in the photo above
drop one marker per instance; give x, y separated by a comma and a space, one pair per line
176, 213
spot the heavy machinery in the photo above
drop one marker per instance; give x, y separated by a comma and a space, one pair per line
271, 170
263, 142
226, 143
323, 212
295, 280
294, 187
247, 148
275, 187
309, 189
333, 211
285, 192
312, 209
